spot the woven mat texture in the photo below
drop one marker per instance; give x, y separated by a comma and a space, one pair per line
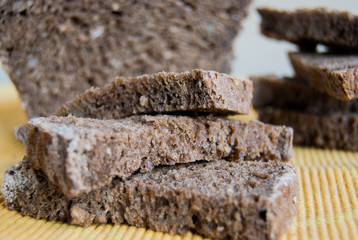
328, 207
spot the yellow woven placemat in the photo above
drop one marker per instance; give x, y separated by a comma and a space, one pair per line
328, 207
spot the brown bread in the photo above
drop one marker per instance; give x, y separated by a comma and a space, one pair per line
294, 94
82, 154
335, 75
196, 90
307, 27
334, 130
220, 199
54, 50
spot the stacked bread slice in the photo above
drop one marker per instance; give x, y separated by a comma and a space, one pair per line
320, 102
178, 172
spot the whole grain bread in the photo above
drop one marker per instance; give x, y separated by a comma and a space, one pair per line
335, 75
196, 90
54, 50
220, 199
307, 27
295, 94
334, 130
82, 154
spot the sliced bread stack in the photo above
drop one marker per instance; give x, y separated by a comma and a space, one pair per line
320, 102
178, 172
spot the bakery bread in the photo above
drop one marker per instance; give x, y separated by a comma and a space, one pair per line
316, 118
308, 27
295, 94
82, 154
335, 75
54, 50
191, 91
220, 199
335, 130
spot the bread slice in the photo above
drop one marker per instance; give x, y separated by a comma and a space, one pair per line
335, 130
81, 154
295, 94
220, 199
56, 50
307, 27
196, 90
335, 75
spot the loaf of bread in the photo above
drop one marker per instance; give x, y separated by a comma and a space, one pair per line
82, 154
192, 91
54, 50
220, 199
308, 27
335, 75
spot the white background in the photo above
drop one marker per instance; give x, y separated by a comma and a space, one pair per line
256, 54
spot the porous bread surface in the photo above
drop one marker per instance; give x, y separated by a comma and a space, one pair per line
82, 154
335, 75
336, 130
220, 199
294, 94
54, 50
307, 27
197, 90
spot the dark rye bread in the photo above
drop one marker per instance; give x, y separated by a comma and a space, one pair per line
54, 50
196, 90
335, 75
81, 154
307, 27
334, 130
220, 199
294, 94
